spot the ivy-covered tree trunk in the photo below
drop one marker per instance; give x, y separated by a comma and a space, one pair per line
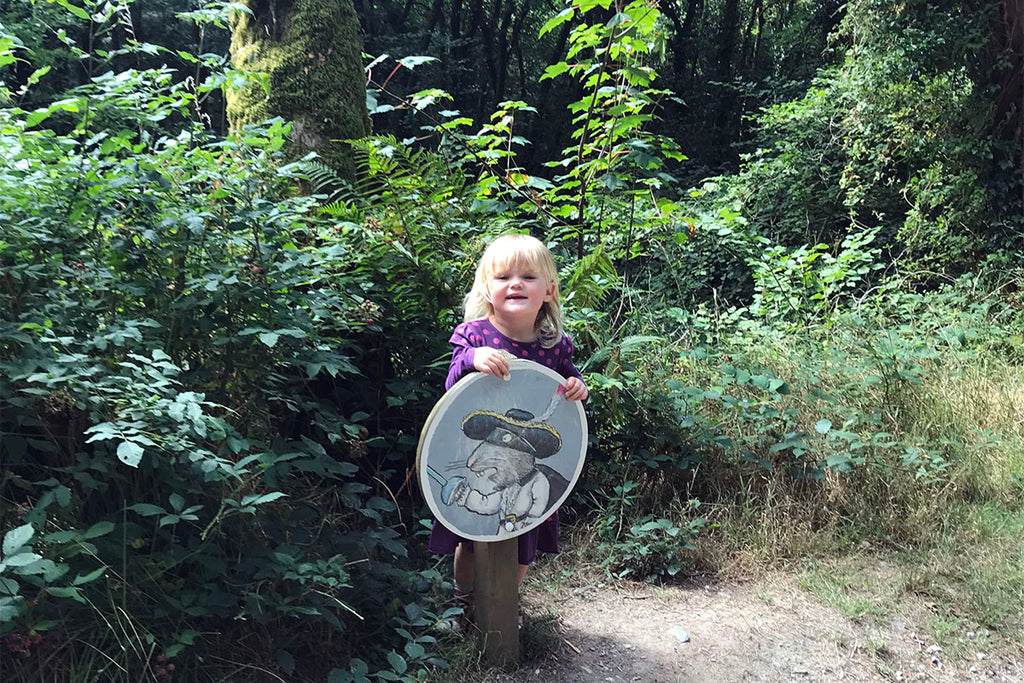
312, 54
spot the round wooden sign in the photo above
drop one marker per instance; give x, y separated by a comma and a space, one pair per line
497, 457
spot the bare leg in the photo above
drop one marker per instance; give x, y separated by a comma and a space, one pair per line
522, 571
463, 566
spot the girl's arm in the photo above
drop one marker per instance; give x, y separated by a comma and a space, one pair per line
575, 388
469, 353
465, 340
466, 359
462, 364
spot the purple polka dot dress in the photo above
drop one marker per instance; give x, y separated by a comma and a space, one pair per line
476, 333
472, 335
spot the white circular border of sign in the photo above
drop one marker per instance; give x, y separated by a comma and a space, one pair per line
443, 445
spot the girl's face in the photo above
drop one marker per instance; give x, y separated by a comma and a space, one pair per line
518, 290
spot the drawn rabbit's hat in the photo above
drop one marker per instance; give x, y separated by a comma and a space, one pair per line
516, 429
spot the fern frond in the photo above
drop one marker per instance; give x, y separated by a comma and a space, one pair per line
325, 180
591, 278
345, 210
627, 347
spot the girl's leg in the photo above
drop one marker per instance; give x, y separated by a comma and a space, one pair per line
522, 571
464, 568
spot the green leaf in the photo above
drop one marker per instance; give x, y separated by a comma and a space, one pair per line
21, 559
269, 338
62, 494
68, 592
169, 519
263, 498
838, 461
77, 11
557, 20
63, 536
17, 537
618, 18
358, 667
397, 662
36, 117
822, 426
36, 75
291, 332
130, 453
555, 70
9, 609
147, 509
99, 529
413, 61
91, 576
188, 637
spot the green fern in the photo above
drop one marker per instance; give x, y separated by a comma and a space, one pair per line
627, 347
591, 278
325, 180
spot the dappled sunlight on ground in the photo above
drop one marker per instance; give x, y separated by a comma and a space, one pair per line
769, 630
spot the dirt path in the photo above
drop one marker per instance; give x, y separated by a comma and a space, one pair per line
771, 630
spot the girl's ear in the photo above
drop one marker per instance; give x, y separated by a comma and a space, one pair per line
550, 294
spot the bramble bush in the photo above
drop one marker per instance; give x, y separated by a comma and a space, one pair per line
210, 391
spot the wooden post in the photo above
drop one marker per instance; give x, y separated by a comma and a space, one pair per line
497, 600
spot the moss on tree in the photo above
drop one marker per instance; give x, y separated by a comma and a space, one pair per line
312, 53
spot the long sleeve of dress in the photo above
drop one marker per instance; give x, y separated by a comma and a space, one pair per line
464, 344
567, 368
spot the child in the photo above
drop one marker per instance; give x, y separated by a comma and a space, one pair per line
514, 307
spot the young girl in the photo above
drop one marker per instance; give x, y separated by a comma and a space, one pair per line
513, 306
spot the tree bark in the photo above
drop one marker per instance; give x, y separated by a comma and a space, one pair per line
682, 40
312, 53
436, 17
1007, 46
723, 72
501, 65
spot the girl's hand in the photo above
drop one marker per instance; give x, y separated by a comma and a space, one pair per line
576, 390
490, 362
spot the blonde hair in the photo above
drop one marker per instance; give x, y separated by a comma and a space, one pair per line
524, 251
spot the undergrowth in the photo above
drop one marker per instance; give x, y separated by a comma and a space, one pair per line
896, 427
211, 375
